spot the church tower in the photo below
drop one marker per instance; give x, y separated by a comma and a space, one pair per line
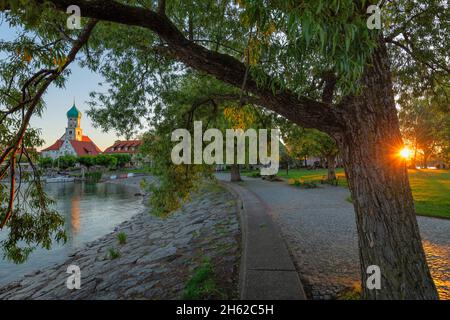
73, 130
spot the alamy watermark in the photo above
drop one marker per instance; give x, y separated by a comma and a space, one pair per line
213, 152
74, 20
374, 20
74, 280
374, 279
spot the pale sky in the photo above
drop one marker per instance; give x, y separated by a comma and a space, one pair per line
58, 101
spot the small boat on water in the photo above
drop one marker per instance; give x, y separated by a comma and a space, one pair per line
59, 179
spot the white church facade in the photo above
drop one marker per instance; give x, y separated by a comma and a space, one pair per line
73, 142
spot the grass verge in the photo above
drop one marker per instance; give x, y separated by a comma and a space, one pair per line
202, 284
430, 187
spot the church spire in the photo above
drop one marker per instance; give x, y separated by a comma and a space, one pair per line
73, 130
73, 112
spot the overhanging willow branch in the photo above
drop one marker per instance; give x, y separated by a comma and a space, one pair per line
16, 142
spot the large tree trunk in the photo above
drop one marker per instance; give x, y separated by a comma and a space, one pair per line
388, 232
331, 164
235, 173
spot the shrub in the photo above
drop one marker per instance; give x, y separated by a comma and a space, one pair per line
122, 159
105, 160
302, 183
66, 162
122, 238
353, 293
202, 284
309, 184
113, 253
45, 162
87, 161
272, 178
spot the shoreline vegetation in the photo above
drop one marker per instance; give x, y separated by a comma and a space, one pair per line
194, 254
430, 187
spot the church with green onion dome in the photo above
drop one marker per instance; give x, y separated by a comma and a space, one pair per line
73, 142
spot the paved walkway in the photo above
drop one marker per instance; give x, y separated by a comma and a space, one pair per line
319, 227
267, 270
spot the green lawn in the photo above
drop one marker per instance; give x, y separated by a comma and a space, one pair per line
431, 192
312, 175
431, 188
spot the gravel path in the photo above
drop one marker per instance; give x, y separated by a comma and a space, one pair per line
159, 257
319, 226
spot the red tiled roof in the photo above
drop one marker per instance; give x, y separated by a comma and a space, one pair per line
127, 146
83, 147
54, 146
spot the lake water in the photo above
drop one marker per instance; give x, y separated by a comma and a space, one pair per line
90, 211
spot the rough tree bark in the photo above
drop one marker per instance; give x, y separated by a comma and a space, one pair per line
235, 173
388, 232
331, 164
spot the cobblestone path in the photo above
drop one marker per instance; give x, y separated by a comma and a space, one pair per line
319, 227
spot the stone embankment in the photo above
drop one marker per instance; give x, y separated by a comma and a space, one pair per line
159, 256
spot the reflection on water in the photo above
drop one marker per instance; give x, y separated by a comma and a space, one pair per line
75, 214
90, 211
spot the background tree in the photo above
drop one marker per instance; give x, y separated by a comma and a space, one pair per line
122, 159
237, 117
301, 143
106, 160
87, 161
321, 145
286, 159
45, 162
66, 161
191, 97
424, 126
444, 140
293, 138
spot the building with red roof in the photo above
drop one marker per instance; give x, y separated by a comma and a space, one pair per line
124, 146
73, 142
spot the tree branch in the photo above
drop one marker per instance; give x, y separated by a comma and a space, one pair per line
414, 56
402, 28
12, 190
301, 110
17, 141
162, 7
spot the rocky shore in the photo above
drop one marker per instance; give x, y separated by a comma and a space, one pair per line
157, 261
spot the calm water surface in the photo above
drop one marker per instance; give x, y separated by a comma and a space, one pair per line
90, 211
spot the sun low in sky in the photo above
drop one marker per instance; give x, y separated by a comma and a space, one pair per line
405, 153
